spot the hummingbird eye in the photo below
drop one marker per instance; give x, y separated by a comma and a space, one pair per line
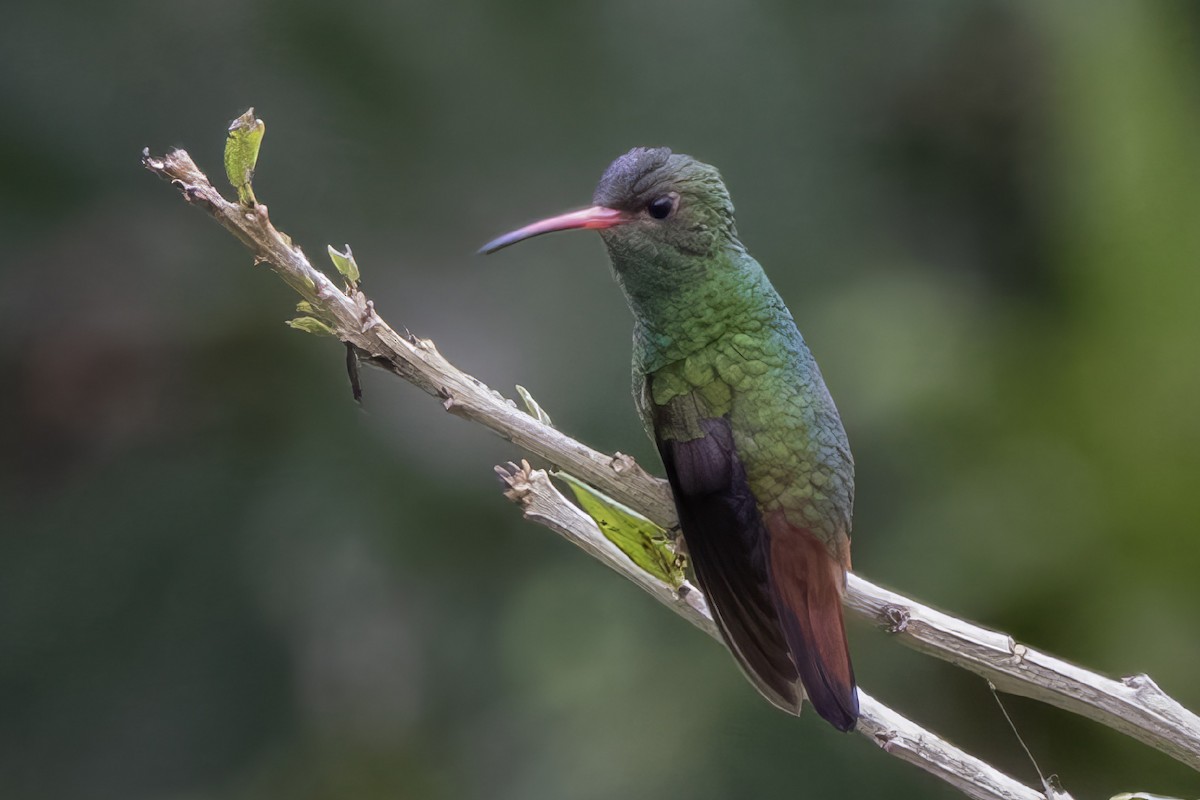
662, 206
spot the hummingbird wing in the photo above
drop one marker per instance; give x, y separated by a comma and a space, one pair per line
774, 589
727, 547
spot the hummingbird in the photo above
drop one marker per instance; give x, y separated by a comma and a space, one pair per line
752, 444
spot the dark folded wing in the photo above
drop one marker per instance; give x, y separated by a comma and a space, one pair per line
728, 548
774, 589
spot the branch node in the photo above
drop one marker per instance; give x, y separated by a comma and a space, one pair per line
192, 193
895, 618
884, 739
1141, 683
369, 318
450, 402
623, 464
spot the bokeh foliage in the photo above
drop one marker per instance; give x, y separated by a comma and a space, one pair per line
219, 579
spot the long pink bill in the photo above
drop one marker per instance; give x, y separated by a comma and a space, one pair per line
592, 218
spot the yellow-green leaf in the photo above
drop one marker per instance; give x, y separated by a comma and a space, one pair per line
345, 263
241, 154
646, 544
311, 325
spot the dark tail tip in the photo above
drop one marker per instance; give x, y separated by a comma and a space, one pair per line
807, 582
839, 709
826, 673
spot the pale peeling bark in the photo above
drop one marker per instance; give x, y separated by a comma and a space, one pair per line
1135, 706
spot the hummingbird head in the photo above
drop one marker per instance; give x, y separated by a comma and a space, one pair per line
673, 204
650, 205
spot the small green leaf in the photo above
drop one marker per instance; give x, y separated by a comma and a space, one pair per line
345, 263
646, 544
305, 307
241, 154
535, 411
311, 325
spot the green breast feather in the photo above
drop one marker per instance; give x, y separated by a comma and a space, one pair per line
786, 431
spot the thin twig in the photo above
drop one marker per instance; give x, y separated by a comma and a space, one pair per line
1020, 740
1135, 705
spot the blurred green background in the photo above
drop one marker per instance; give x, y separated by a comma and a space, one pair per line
220, 579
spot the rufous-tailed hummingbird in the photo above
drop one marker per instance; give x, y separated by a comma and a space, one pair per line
752, 444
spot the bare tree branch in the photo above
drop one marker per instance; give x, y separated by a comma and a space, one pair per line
897, 735
1135, 706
